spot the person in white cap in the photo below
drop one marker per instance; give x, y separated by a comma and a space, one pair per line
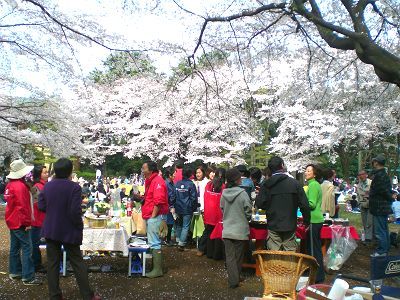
19, 217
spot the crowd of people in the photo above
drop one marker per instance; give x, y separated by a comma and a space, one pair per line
378, 201
52, 209
37, 208
232, 195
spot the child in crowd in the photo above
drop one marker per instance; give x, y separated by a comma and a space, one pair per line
236, 207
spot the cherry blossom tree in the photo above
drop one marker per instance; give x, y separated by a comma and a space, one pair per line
38, 45
50, 123
115, 111
368, 29
352, 113
313, 59
203, 117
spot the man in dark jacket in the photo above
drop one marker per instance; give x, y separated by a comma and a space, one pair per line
61, 199
380, 205
281, 196
178, 170
185, 203
169, 181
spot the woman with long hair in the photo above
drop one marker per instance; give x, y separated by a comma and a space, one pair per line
201, 182
210, 172
212, 215
314, 195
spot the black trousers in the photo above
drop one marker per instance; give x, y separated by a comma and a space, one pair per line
314, 246
234, 252
168, 237
211, 248
205, 237
54, 257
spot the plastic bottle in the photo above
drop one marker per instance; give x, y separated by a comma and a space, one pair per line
122, 210
257, 217
129, 208
115, 209
362, 235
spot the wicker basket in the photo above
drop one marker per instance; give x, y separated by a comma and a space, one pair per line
281, 270
97, 223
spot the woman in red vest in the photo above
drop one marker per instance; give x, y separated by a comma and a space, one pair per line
40, 177
212, 216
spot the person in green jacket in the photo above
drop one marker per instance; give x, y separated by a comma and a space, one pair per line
314, 195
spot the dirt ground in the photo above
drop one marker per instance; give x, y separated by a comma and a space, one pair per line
187, 277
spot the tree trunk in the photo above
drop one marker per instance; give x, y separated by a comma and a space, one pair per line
77, 163
345, 158
253, 155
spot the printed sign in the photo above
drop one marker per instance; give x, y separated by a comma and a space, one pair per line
393, 267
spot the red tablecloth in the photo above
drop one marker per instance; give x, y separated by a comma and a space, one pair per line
326, 232
255, 233
261, 234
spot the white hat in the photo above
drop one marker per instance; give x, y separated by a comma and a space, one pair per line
18, 169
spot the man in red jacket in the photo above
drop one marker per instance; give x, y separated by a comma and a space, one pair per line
154, 211
19, 217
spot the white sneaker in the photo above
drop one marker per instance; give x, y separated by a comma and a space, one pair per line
14, 277
376, 254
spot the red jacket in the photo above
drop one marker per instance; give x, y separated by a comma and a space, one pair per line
156, 194
212, 208
18, 209
39, 215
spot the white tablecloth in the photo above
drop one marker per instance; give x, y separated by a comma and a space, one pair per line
105, 240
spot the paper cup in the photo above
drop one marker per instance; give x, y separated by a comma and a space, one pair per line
338, 290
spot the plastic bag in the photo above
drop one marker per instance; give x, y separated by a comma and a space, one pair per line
139, 225
342, 246
197, 226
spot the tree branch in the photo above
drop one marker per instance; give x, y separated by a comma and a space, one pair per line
186, 10
94, 40
11, 140
21, 24
27, 49
327, 30
376, 9
265, 29
246, 13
